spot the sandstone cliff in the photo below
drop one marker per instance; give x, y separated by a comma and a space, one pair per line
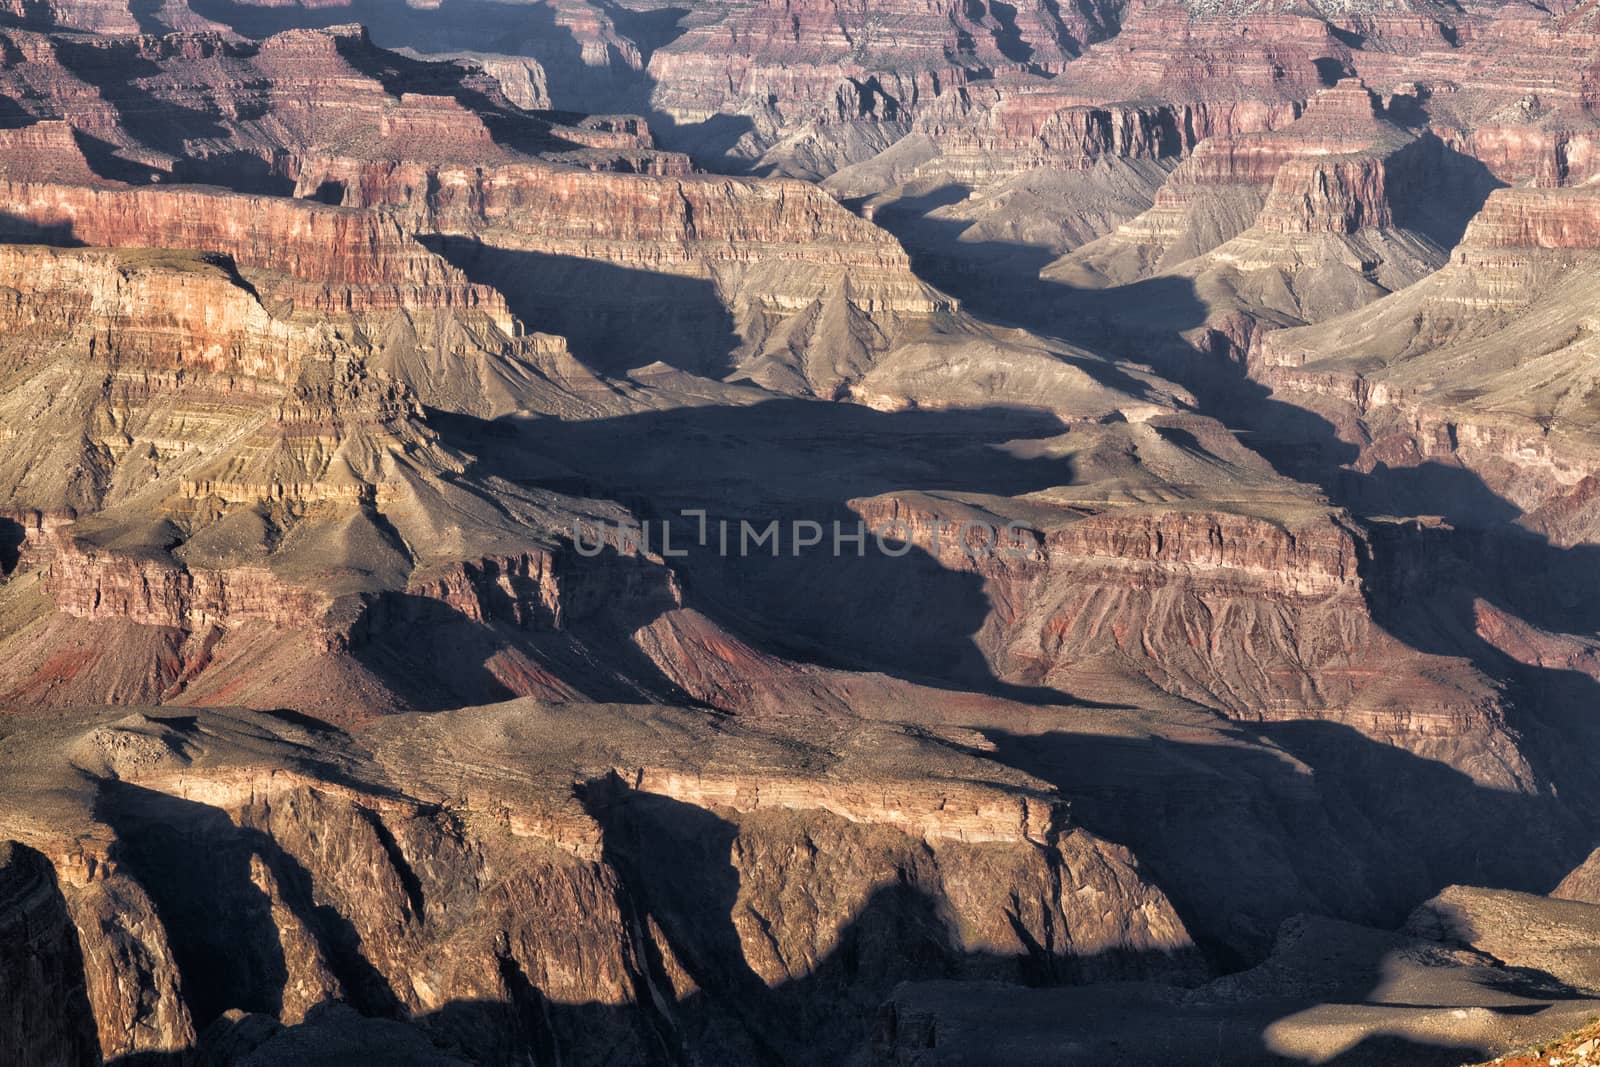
569, 876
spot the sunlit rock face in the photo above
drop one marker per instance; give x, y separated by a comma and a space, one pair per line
601, 882
750, 532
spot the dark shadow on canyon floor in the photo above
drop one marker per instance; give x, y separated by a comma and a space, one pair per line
119, 72
12, 538
159, 120
197, 870
613, 318
896, 606
509, 126
17, 230
205, 877
1426, 583
1300, 817
674, 878
436, 657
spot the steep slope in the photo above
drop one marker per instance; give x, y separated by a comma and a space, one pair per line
605, 882
577, 207
434, 397
1286, 227
1494, 347
262, 427
204, 107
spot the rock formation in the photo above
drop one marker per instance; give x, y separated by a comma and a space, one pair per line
226, 879
748, 532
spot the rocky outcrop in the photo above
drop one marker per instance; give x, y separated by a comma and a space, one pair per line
291, 98
787, 65
927, 811
135, 986
1582, 883
1160, 594
287, 440
179, 371
87, 583
1547, 158
1341, 196
1326, 985
722, 274
32, 534
335, 261
278, 887
152, 311
94, 16
46, 1018
1339, 168
1534, 219
1245, 546
989, 133
537, 591
48, 151
673, 225
1558, 937
431, 150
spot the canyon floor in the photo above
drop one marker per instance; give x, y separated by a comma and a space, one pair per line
738, 532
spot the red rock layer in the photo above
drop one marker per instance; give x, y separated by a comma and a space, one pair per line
339, 261
1166, 50
987, 132
89, 583
92, 16
1338, 168
1549, 158
1330, 171
1165, 594
799, 237
45, 151
153, 311
296, 94
541, 590
1482, 365
1535, 219
1333, 196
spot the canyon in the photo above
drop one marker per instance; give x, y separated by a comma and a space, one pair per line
733, 532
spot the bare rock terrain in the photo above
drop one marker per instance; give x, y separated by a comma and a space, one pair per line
1168, 431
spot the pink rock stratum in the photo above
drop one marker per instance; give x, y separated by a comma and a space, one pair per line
736, 532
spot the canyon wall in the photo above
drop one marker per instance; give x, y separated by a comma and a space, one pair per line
591, 901
47, 1017
338, 261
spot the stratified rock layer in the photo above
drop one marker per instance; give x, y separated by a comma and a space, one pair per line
655, 902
